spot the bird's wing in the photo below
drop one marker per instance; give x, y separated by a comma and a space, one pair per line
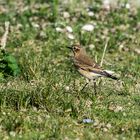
89, 68
94, 68
87, 61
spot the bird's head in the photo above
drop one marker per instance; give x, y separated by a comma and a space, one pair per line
76, 48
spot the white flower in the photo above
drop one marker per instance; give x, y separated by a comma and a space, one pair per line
58, 29
106, 2
67, 88
3, 113
91, 14
88, 27
127, 6
91, 46
69, 29
12, 133
70, 36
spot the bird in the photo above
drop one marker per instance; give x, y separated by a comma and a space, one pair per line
87, 67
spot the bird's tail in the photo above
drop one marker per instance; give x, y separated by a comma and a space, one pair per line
109, 74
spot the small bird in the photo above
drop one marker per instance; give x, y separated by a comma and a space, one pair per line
88, 67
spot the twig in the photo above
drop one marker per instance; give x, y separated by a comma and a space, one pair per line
104, 52
4, 37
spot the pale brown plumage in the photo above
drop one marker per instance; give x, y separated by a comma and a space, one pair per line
86, 66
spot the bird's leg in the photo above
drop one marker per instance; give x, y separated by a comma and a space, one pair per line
85, 85
95, 86
100, 84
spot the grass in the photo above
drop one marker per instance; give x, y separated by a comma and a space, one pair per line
45, 101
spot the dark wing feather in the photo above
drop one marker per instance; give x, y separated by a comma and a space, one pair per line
93, 68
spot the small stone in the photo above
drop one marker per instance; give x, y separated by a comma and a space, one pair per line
66, 15
121, 47
69, 29
35, 25
88, 27
90, 13
70, 36
106, 4
108, 125
58, 29
105, 129
137, 51
91, 46
118, 109
42, 34
87, 121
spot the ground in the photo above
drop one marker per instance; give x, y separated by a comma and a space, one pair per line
45, 101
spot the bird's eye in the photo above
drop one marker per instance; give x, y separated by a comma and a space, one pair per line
76, 49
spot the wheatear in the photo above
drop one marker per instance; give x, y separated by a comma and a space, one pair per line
87, 67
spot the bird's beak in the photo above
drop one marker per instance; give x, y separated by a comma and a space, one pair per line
69, 47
